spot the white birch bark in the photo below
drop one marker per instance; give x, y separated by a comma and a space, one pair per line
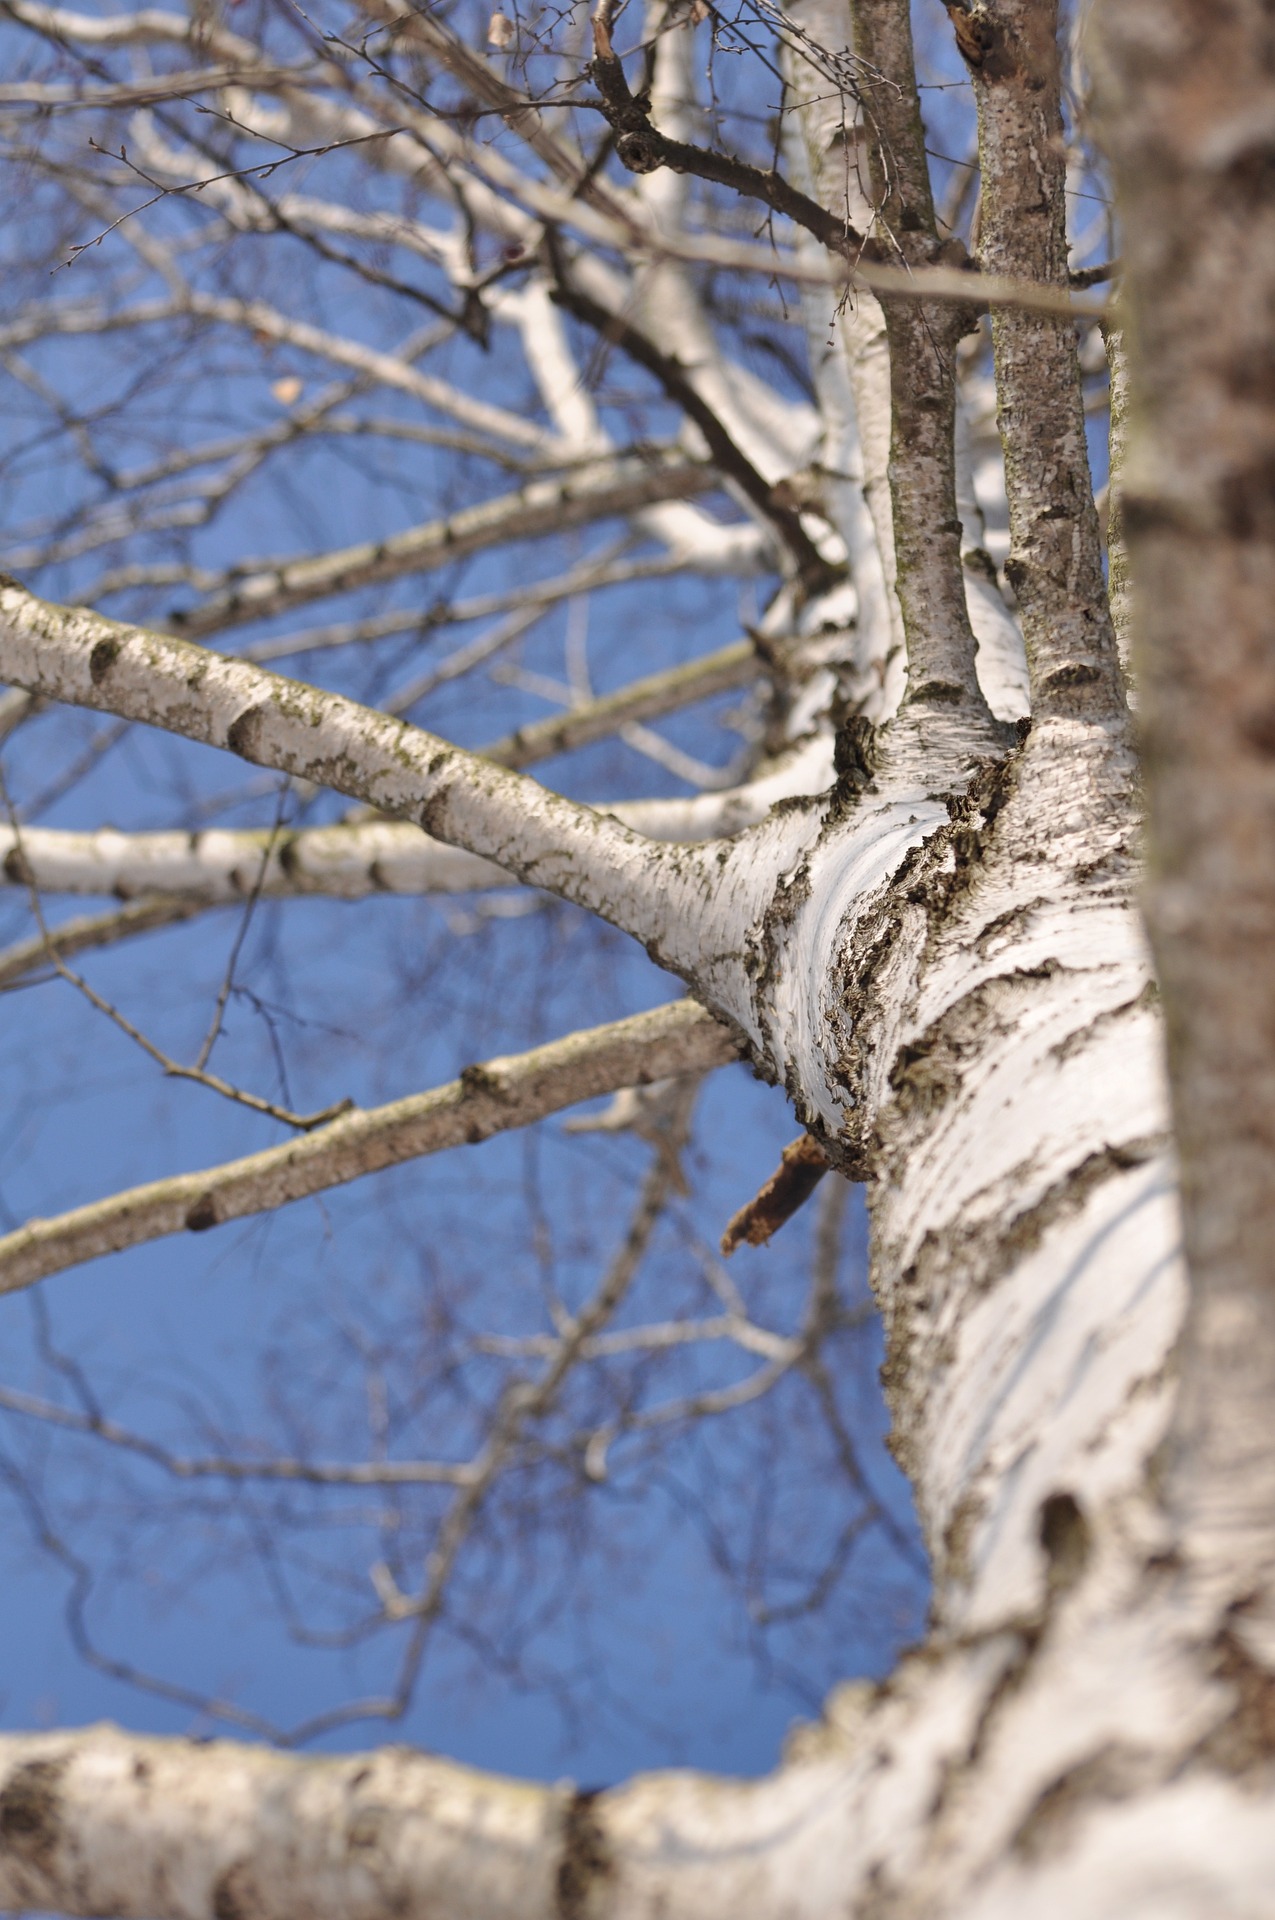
958, 996
935, 947
1026, 1236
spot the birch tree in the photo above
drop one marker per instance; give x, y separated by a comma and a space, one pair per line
913, 906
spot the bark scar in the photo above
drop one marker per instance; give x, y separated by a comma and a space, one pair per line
30, 1815
586, 1855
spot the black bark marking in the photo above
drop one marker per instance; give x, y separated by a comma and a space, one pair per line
202, 1214
243, 733
433, 815
233, 1894
1257, 727
102, 659
1111, 1774
30, 1816
1245, 1741
586, 1855
1246, 500
17, 868
1064, 1534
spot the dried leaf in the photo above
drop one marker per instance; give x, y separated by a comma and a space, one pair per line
501, 31
288, 390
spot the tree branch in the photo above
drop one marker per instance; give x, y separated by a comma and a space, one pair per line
929, 576
607, 487
82, 658
642, 149
1055, 562
92, 932
497, 1097
814, 571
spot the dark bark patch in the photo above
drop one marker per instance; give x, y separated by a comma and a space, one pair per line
365, 1829
1073, 673
586, 1856
1257, 727
924, 1076
1251, 174
202, 1214
102, 659
244, 733
433, 815
976, 38
854, 749
1246, 501
30, 1815
1108, 1776
1246, 1738
1064, 1534
17, 869
234, 1896
937, 693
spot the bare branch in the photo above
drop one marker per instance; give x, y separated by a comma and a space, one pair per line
92, 932
800, 1170
929, 577
493, 1098
86, 660
1055, 563
600, 491
814, 571
643, 149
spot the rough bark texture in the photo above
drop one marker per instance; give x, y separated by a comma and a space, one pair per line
1055, 563
935, 947
929, 578
487, 1099
1186, 96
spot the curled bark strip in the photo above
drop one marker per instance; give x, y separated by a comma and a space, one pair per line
801, 1168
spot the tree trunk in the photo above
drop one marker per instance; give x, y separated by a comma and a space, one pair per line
942, 960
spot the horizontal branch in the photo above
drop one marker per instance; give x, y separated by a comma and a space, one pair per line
497, 1097
649, 698
143, 93
611, 487
92, 932
355, 858
250, 1831
589, 858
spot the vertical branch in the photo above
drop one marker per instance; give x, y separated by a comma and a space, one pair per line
1119, 583
850, 359
927, 528
1055, 562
